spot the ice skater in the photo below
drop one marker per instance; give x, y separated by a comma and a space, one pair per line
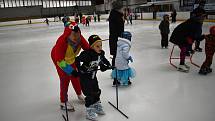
124, 72
209, 52
116, 27
185, 34
63, 55
47, 21
91, 59
164, 31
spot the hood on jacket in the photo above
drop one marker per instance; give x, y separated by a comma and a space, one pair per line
68, 29
122, 41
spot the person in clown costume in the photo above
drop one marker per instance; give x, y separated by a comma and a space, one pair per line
63, 55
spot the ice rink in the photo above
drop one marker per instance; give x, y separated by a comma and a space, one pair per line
29, 84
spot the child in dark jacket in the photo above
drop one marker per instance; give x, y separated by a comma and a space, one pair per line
164, 29
209, 51
90, 60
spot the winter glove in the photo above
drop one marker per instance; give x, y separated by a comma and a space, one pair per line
65, 67
104, 68
130, 58
75, 73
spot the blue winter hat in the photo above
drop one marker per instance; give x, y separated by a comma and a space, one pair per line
126, 35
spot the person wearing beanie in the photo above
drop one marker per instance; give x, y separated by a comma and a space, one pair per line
124, 71
116, 27
209, 52
88, 62
184, 36
63, 56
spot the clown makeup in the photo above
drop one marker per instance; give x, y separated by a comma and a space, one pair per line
97, 47
74, 36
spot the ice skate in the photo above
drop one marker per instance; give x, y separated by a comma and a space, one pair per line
70, 107
183, 68
188, 67
114, 83
98, 108
81, 98
203, 71
209, 70
90, 113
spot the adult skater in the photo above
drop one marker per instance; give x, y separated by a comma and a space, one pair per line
185, 34
63, 55
91, 59
116, 27
173, 15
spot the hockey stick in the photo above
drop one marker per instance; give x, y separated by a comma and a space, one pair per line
117, 100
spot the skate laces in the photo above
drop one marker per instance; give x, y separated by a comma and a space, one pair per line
91, 113
98, 107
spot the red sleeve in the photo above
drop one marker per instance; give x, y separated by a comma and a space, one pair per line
84, 43
60, 49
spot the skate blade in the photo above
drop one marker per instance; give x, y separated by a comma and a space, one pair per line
181, 70
70, 110
122, 85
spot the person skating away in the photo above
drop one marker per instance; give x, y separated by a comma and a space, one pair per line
164, 31
185, 34
88, 62
173, 15
84, 20
47, 21
88, 21
63, 55
124, 72
130, 17
209, 52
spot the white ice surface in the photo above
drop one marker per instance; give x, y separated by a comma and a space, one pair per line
29, 84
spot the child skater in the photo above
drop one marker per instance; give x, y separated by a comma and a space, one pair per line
185, 34
63, 54
209, 51
124, 72
164, 30
90, 60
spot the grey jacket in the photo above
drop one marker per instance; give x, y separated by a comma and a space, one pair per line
123, 48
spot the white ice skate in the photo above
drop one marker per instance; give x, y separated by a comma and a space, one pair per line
70, 107
98, 108
188, 67
90, 113
81, 98
183, 68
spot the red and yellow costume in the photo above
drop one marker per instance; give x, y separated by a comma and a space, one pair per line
63, 51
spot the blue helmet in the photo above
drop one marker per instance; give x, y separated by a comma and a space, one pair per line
126, 35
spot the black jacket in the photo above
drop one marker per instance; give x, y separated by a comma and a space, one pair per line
88, 61
116, 27
164, 27
190, 28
